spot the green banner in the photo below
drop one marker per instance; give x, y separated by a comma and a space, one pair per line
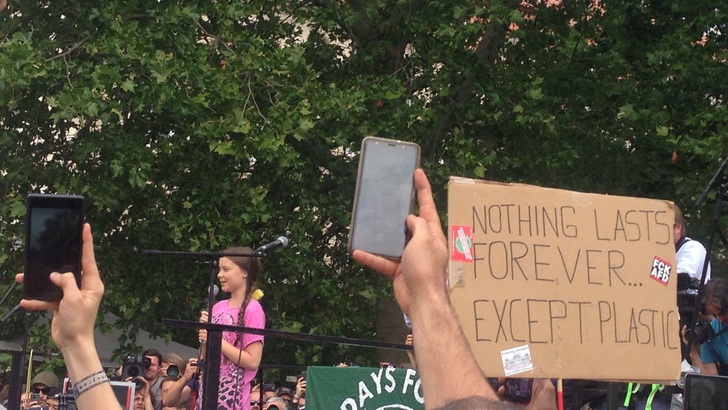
363, 388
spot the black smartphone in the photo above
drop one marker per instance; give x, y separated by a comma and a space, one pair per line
53, 238
705, 391
384, 196
518, 390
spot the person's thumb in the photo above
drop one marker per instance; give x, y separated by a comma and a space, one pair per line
543, 395
418, 228
67, 282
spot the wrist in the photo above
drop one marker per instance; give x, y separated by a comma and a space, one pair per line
79, 344
427, 303
89, 382
81, 359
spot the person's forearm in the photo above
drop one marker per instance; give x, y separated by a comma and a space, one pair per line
480, 403
413, 359
445, 362
705, 368
148, 401
241, 357
82, 360
174, 395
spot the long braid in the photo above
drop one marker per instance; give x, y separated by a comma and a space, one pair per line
241, 314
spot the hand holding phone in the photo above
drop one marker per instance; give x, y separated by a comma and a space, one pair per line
53, 243
518, 390
384, 196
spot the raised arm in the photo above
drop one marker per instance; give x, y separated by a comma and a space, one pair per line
72, 329
419, 281
178, 391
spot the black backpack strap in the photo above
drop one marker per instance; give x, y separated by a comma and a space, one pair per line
681, 242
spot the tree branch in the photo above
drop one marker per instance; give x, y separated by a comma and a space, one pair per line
364, 28
70, 50
208, 34
487, 52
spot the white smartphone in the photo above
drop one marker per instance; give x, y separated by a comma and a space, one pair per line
384, 196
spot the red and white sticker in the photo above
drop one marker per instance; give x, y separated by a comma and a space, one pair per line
661, 270
462, 244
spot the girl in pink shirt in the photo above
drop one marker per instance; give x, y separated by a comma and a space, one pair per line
241, 352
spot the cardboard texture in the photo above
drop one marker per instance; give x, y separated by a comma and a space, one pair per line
561, 284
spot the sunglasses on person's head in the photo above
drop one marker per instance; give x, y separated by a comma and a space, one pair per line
44, 390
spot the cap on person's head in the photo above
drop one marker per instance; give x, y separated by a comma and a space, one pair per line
46, 378
283, 390
276, 402
268, 387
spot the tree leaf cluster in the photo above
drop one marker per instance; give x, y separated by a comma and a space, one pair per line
201, 125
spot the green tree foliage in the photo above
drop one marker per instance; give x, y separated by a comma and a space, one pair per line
199, 125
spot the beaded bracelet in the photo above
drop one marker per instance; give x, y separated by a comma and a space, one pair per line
89, 382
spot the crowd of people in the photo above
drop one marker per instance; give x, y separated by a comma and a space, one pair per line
155, 389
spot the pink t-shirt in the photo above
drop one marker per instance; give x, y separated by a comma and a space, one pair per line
234, 393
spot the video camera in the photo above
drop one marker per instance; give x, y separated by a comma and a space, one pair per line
134, 367
700, 333
66, 401
692, 310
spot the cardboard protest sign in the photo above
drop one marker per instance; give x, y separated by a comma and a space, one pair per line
356, 388
561, 284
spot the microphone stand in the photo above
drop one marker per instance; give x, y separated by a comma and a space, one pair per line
213, 348
717, 178
10, 290
14, 309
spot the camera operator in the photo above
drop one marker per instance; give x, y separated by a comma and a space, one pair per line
299, 399
172, 365
40, 388
142, 397
708, 342
153, 375
178, 393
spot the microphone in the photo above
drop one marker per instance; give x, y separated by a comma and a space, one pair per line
281, 242
215, 291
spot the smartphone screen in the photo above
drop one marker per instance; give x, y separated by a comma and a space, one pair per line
518, 390
384, 196
705, 392
54, 226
